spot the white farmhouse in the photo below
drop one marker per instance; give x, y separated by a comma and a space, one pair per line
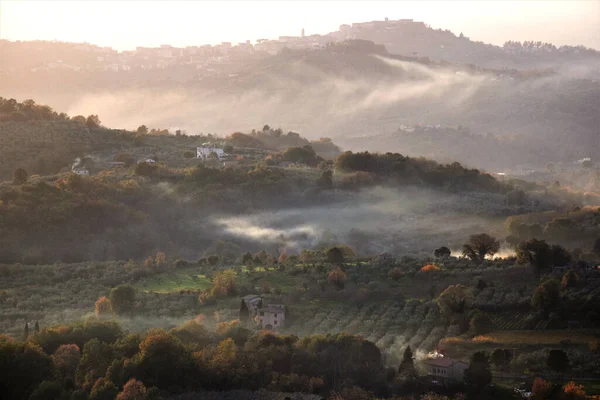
81, 171
204, 151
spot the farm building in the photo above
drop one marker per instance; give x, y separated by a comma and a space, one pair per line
272, 316
253, 302
203, 152
446, 369
81, 171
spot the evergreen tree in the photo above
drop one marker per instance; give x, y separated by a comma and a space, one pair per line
26, 331
36, 327
244, 313
478, 374
407, 366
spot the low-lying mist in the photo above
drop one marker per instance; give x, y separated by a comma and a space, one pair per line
406, 221
303, 98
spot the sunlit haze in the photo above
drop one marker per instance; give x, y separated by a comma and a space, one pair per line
127, 24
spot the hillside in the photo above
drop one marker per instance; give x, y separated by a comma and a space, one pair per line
351, 90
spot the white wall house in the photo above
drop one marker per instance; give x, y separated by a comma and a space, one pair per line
444, 368
81, 171
204, 151
272, 316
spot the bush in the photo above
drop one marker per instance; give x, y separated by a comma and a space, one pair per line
430, 268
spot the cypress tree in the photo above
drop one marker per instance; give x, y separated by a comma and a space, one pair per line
407, 366
36, 327
26, 331
244, 313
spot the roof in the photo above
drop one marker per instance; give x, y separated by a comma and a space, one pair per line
250, 296
443, 362
273, 308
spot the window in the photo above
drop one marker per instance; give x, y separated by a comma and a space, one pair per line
275, 322
262, 313
275, 315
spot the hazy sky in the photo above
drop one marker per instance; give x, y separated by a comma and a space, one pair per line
127, 24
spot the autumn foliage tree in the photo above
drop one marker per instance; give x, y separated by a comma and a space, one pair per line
160, 259
430, 268
66, 359
102, 307
337, 278
224, 283
573, 391
133, 390
540, 389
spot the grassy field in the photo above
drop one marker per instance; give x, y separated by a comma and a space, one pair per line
175, 281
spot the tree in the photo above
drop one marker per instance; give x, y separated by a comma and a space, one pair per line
149, 262
456, 299
66, 359
142, 130
36, 327
244, 313
335, 255
122, 299
407, 365
161, 258
536, 253
95, 359
559, 255
103, 389
479, 246
23, 367
20, 176
498, 358
47, 390
266, 128
337, 278
102, 307
325, 181
225, 354
224, 283
546, 296
570, 279
478, 373
541, 389
442, 252
557, 360
145, 169
430, 268
573, 391
92, 121
26, 332
481, 323
133, 390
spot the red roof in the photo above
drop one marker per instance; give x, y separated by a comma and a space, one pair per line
443, 362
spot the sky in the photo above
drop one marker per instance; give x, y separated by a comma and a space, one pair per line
124, 25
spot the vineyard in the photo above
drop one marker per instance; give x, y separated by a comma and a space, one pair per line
516, 321
391, 325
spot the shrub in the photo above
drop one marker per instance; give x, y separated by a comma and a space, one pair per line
102, 307
430, 268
